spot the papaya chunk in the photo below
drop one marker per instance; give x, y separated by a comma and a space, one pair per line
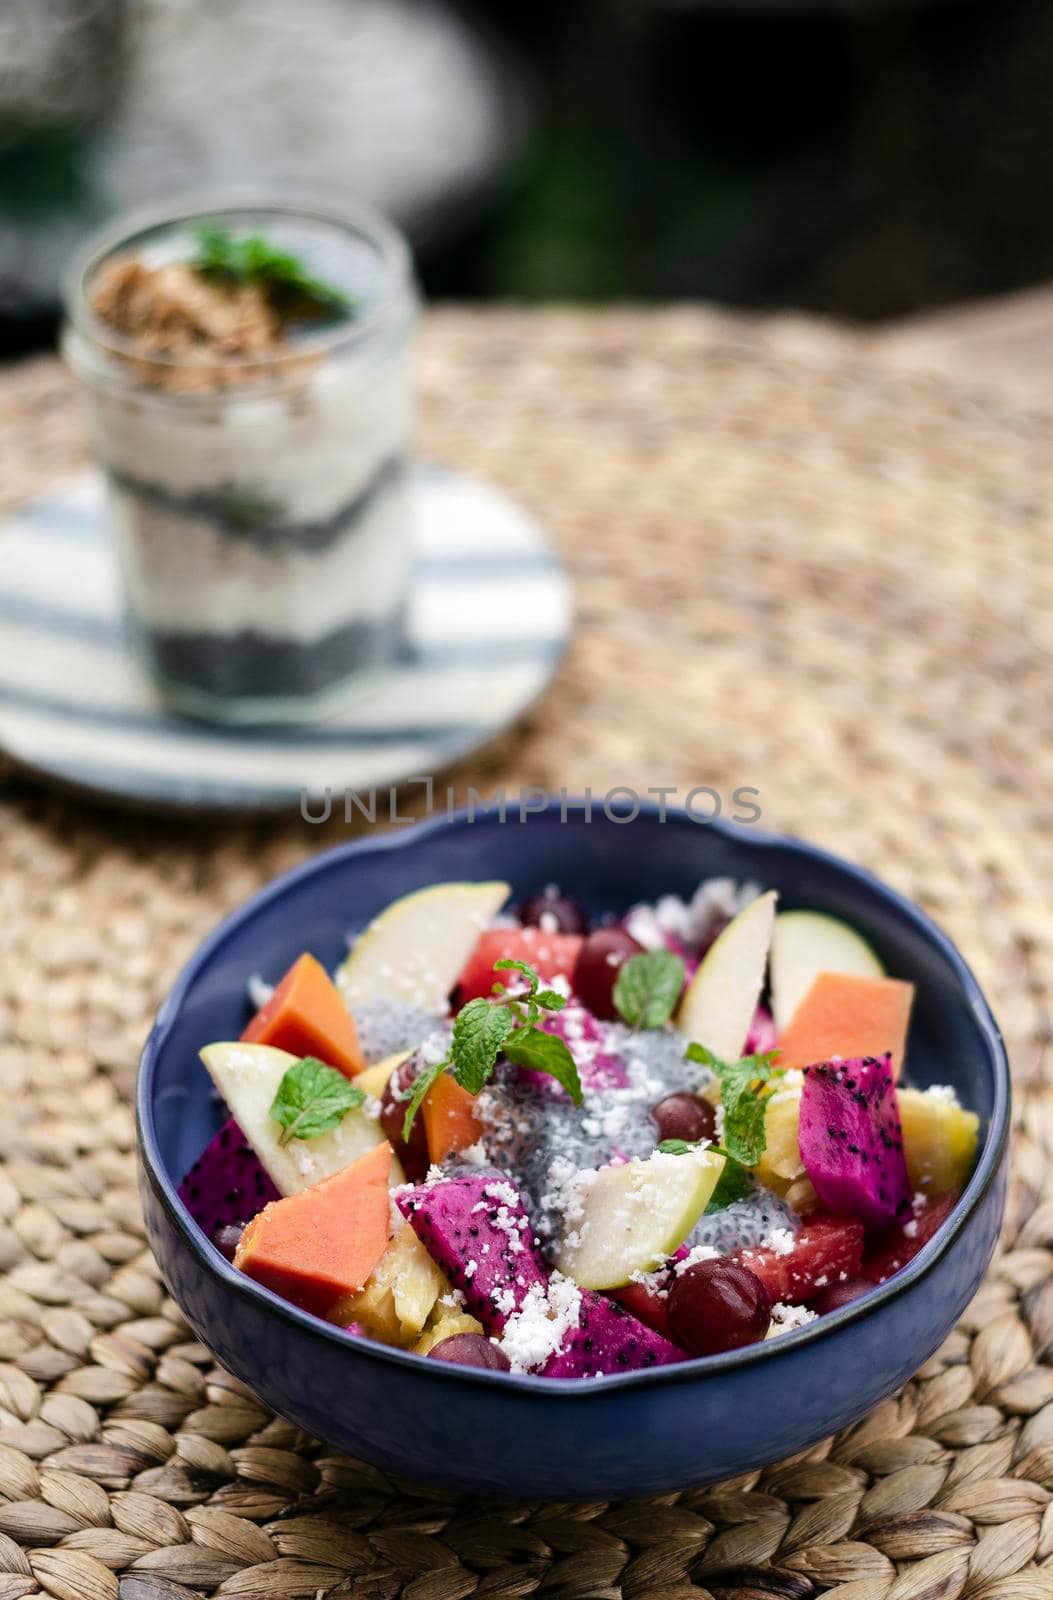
842, 1015
315, 1246
449, 1119
306, 1016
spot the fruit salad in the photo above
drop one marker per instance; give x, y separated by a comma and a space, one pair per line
521, 1140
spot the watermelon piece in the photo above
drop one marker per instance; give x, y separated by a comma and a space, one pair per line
552, 955
226, 1186
476, 1230
900, 1246
647, 1304
608, 1339
827, 1250
317, 1246
851, 1141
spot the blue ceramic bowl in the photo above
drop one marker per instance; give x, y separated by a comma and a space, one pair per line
495, 1434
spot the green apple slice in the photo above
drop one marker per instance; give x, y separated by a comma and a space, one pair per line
805, 943
247, 1076
718, 1005
636, 1215
415, 950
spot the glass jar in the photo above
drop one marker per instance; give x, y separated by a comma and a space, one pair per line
260, 502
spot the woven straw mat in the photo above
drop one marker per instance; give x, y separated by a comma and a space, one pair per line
797, 569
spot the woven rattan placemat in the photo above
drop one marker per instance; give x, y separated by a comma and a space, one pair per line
796, 570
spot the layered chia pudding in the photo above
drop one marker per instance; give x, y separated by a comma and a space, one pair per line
528, 1141
248, 381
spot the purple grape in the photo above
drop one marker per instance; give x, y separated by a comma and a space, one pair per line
471, 1350
414, 1155
597, 966
684, 1116
718, 1305
836, 1295
553, 913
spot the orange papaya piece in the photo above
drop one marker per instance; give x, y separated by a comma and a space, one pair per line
449, 1118
324, 1242
306, 1016
842, 1015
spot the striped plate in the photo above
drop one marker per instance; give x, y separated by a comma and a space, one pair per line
490, 616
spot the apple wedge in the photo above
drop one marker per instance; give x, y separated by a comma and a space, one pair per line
805, 943
415, 949
636, 1215
718, 1005
247, 1076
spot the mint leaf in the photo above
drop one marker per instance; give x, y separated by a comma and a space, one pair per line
535, 999
282, 277
479, 1032
312, 1099
743, 1092
509, 964
648, 987
675, 1147
421, 1084
545, 1052
486, 1028
733, 1183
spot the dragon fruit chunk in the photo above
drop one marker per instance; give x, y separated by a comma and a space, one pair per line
226, 1185
762, 1035
475, 1228
584, 1037
851, 1141
608, 1339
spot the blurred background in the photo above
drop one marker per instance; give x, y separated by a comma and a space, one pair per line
862, 158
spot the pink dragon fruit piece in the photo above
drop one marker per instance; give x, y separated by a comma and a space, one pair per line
762, 1035
475, 1228
226, 1185
583, 1037
851, 1140
609, 1339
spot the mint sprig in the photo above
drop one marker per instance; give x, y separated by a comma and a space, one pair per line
544, 1052
282, 277
312, 1099
504, 1025
648, 987
743, 1092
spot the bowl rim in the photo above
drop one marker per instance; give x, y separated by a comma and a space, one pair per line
213, 1264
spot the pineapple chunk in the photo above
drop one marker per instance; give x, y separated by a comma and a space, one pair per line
801, 1196
400, 1294
443, 1325
781, 1164
939, 1140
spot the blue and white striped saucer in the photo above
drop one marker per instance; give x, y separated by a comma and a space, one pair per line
490, 616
